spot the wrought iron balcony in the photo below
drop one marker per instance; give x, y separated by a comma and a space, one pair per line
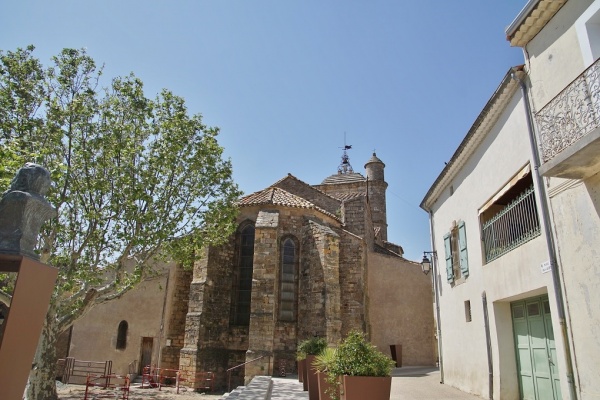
569, 128
512, 226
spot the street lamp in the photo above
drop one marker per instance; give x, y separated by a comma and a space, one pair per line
426, 264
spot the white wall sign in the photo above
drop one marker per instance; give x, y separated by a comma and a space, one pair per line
546, 267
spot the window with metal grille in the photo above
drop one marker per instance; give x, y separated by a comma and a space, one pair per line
122, 335
511, 220
242, 279
289, 271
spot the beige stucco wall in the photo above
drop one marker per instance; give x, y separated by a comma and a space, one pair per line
400, 309
558, 54
575, 210
515, 275
94, 335
554, 56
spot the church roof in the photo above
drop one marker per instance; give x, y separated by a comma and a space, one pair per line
343, 178
348, 196
279, 197
300, 181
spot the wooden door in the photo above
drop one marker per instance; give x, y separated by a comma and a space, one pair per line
146, 352
536, 351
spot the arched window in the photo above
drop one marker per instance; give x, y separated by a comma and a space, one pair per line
242, 279
287, 279
122, 335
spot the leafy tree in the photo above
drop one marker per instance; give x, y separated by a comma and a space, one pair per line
135, 179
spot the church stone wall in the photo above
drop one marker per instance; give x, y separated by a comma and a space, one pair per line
343, 190
400, 308
352, 282
180, 281
263, 306
377, 203
355, 213
209, 342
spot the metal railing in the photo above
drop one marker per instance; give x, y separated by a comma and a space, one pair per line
514, 225
241, 365
571, 115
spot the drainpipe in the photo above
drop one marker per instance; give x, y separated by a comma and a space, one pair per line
486, 321
549, 238
437, 298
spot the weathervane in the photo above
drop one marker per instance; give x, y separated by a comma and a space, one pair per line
345, 167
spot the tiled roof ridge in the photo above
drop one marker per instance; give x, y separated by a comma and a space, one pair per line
307, 184
340, 179
271, 192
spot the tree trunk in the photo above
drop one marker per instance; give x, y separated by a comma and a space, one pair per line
42, 377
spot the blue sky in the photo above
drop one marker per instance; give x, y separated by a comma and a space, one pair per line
284, 80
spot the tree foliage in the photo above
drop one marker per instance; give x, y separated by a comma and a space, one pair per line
134, 178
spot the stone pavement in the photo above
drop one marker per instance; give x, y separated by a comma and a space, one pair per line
423, 383
408, 383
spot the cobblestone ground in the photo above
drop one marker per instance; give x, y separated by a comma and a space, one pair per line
77, 392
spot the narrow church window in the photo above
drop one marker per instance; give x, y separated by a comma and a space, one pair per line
242, 290
289, 262
122, 335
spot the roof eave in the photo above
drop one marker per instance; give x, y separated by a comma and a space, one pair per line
480, 128
527, 24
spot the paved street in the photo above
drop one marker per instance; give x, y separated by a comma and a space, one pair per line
423, 383
408, 383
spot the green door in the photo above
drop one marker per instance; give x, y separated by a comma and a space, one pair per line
536, 352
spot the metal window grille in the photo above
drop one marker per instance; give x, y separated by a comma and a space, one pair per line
514, 225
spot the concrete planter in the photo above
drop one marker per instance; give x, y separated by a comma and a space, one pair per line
301, 369
313, 381
324, 387
365, 387
305, 375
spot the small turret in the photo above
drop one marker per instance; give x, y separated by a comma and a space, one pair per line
375, 169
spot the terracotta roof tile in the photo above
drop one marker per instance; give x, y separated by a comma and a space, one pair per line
343, 178
279, 197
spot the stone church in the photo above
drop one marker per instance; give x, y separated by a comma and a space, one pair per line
306, 260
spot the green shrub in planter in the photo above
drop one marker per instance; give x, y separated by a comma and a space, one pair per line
324, 359
312, 346
321, 364
355, 356
307, 348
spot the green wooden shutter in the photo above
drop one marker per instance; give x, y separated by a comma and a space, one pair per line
448, 248
462, 245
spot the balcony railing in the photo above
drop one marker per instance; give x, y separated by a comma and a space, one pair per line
571, 115
514, 225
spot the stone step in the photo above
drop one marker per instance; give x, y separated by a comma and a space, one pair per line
259, 388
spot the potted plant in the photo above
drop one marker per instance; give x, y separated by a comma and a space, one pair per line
321, 364
301, 358
362, 371
312, 347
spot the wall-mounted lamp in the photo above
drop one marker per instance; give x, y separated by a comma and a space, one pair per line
426, 263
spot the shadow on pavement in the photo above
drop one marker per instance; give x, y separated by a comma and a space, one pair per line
413, 371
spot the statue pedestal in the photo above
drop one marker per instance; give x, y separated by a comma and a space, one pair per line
25, 320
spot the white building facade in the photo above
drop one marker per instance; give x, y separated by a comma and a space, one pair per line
561, 51
515, 220
492, 257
